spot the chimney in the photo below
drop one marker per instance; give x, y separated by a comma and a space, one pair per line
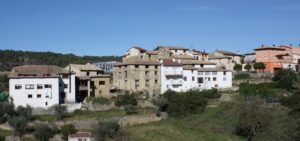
273, 45
262, 45
291, 45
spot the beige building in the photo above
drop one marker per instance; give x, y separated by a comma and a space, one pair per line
90, 81
225, 59
138, 76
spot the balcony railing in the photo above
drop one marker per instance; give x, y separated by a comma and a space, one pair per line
173, 72
174, 82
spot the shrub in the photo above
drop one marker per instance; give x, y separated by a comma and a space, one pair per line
262, 89
43, 132
248, 67
6, 109
130, 109
211, 94
259, 66
98, 100
293, 102
184, 104
106, 130
60, 111
66, 130
241, 76
285, 78
19, 123
3, 97
253, 117
2, 138
126, 99
238, 67
162, 103
25, 112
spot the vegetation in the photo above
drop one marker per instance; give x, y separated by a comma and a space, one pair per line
2, 138
127, 99
106, 130
184, 104
210, 94
3, 81
60, 111
98, 100
43, 132
130, 109
11, 58
248, 67
259, 66
237, 67
66, 130
6, 110
3, 97
241, 76
266, 90
19, 123
286, 79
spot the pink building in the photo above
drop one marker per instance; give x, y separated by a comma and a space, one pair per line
278, 57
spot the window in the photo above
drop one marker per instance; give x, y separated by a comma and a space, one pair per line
29, 86
48, 86
214, 73
29, 95
87, 73
46, 103
224, 79
146, 73
200, 73
207, 73
156, 81
98, 73
156, 67
193, 78
208, 78
38, 95
224, 72
101, 82
184, 78
216, 86
146, 66
147, 83
155, 72
214, 78
65, 86
65, 76
125, 74
39, 86
125, 81
137, 83
136, 66
18, 87
200, 80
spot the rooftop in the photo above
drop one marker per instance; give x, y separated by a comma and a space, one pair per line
139, 63
196, 62
86, 67
228, 53
170, 62
140, 49
172, 48
37, 71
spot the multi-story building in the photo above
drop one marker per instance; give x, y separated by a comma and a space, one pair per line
249, 57
199, 55
138, 76
91, 81
107, 67
41, 86
225, 59
181, 76
278, 57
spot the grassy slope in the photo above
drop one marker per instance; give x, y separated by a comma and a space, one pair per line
212, 125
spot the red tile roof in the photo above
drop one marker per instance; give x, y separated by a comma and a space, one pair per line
170, 62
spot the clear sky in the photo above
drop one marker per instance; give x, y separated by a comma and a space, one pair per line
110, 27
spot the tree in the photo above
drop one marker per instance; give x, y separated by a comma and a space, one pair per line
286, 78
126, 99
248, 67
259, 66
60, 111
66, 130
25, 111
253, 117
6, 110
2, 138
19, 123
43, 132
130, 109
106, 130
238, 67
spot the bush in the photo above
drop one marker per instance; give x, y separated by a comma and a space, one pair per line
6, 109
286, 79
238, 67
248, 67
66, 130
98, 100
106, 130
262, 89
2, 138
293, 102
43, 132
25, 112
162, 103
130, 109
254, 117
184, 104
19, 123
126, 99
211, 94
60, 111
241, 76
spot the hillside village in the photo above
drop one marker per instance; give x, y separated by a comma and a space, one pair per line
188, 93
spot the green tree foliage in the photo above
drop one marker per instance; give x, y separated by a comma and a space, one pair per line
241, 76
19, 123
259, 66
130, 109
238, 67
293, 102
98, 100
66, 130
106, 130
253, 117
261, 89
25, 112
286, 78
125, 99
2, 138
60, 111
11, 58
6, 110
248, 67
184, 104
211, 94
43, 132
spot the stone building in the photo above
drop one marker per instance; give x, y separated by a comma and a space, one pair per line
225, 59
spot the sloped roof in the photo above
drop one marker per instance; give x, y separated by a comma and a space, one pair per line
184, 57
218, 57
170, 62
140, 49
194, 51
152, 52
37, 71
228, 53
196, 62
86, 67
139, 63
172, 48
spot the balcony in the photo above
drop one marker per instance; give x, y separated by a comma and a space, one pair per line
173, 73
176, 82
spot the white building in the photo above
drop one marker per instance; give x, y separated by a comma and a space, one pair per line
80, 136
180, 77
41, 86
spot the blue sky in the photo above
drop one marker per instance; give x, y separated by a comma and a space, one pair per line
110, 27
